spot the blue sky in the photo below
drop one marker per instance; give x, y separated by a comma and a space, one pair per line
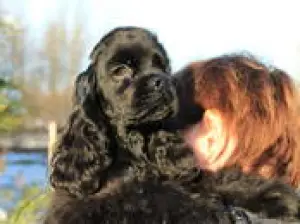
189, 29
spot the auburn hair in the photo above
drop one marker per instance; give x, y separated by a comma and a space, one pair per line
261, 102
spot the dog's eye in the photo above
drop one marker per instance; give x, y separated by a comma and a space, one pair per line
121, 70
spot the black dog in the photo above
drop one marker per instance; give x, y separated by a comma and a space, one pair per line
120, 159
121, 99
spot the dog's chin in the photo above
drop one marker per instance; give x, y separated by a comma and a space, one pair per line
156, 112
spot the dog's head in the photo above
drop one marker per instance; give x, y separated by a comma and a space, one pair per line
130, 77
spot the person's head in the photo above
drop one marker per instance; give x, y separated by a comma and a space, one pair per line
249, 117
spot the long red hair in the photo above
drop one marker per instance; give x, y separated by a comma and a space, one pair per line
261, 102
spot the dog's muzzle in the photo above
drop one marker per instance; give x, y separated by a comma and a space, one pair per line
155, 98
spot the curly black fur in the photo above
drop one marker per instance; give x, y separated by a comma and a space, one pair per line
119, 159
207, 199
118, 101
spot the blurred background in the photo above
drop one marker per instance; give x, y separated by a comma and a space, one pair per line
45, 44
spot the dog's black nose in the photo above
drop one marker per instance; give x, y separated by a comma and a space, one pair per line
156, 82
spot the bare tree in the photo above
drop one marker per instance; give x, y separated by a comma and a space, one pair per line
54, 53
12, 38
75, 50
44, 72
60, 61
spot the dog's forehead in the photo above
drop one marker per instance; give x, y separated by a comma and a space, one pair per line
129, 43
134, 37
142, 43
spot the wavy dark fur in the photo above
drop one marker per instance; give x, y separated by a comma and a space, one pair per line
100, 139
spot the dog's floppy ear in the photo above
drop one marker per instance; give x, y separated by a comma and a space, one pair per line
89, 97
86, 88
83, 86
82, 157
